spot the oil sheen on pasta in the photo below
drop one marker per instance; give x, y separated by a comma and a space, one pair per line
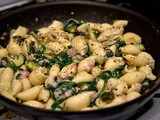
75, 66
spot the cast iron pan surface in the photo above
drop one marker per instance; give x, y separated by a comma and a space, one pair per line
87, 11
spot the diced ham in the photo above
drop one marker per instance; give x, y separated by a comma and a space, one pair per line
25, 74
31, 57
71, 52
91, 64
107, 49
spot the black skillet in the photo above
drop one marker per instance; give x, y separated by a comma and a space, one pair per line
87, 11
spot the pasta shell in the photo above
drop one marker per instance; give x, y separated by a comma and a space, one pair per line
14, 48
25, 50
100, 27
94, 44
83, 77
64, 42
56, 47
56, 25
68, 71
79, 43
113, 62
130, 49
131, 37
16, 87
121, 88
73, 103
135, 87
96, 71
133, 77
84, 28
8, 95
49, 104
110, 35
120, 23
86, 64
4, 53
6, 78
20, 31
29, 94
34, 103
99, 54
141, 59
44, 95
37, 77
148, 71
54, 70
26, 84
132, 95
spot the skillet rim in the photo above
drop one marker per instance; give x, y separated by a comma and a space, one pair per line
150, 93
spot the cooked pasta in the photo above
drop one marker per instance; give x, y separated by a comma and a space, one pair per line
74, 66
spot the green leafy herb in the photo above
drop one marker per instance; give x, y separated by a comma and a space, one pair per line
109, 53
76, 33
36, 31
106, 75
5, 62
42, 45
62, 88
62, 59
55, 105
12, 65
19, 39
71, 27
61, 92
50, 87
18, 76
69, 47
89, 53
18, 60
118, 45
72, 24
118, 53
117, 73
92, 86
96, 33
107, 96
32, 48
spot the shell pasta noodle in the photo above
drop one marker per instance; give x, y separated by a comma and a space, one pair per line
75, 66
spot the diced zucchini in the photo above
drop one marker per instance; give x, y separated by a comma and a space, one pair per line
18, 60
71, 25
32, 65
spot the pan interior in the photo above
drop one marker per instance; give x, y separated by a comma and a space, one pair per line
34, 17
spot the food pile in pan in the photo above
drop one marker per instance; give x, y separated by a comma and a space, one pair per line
75, 66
